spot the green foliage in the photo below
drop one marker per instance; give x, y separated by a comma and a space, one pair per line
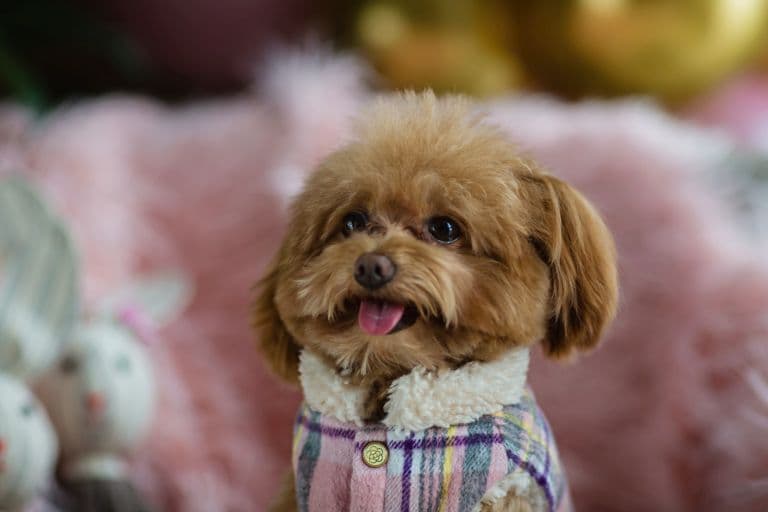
52, 49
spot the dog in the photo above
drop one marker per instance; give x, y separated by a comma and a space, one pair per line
422, 261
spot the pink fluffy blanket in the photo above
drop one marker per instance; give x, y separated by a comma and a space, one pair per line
666, 416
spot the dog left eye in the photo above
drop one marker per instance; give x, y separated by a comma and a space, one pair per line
444, 229
354, 221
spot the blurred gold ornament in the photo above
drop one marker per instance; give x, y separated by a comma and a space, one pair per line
667, 48
459, 46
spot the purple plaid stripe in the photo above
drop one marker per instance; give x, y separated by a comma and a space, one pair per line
407, 444
538, 477
405, 504
442, 442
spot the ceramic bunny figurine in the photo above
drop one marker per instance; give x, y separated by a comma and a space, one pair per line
39, 303
27, 446
100, 395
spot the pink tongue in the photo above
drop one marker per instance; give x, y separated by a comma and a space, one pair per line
379, 317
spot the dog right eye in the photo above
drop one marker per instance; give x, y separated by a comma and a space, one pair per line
354, 221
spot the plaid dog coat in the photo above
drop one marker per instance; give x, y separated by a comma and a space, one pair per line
436, 469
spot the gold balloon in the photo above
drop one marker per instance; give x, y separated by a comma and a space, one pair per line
459, 46
668, 48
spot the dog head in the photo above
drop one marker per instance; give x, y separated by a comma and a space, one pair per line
429, 241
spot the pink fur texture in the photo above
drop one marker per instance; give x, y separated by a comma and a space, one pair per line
740, 107
664, 417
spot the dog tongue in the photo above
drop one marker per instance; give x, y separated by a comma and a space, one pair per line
379, 317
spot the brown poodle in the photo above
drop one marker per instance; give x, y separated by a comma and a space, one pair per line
423, 259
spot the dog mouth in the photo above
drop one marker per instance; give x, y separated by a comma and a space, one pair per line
379, 317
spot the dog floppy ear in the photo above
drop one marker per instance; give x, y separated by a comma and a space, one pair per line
573, 240
277, 345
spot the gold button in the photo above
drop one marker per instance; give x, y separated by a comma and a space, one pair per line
375, 454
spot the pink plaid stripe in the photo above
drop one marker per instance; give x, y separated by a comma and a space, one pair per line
329, 489
368, 485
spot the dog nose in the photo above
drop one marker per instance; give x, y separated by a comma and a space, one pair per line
374, 270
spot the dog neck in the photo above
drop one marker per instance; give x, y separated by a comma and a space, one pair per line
421, 398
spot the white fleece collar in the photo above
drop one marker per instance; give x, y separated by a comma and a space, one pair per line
421, 399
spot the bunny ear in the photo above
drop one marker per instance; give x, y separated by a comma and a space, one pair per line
39, 296
162, 297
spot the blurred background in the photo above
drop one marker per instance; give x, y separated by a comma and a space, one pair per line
674, 50
171, 134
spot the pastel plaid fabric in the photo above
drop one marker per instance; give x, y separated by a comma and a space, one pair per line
435, 470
